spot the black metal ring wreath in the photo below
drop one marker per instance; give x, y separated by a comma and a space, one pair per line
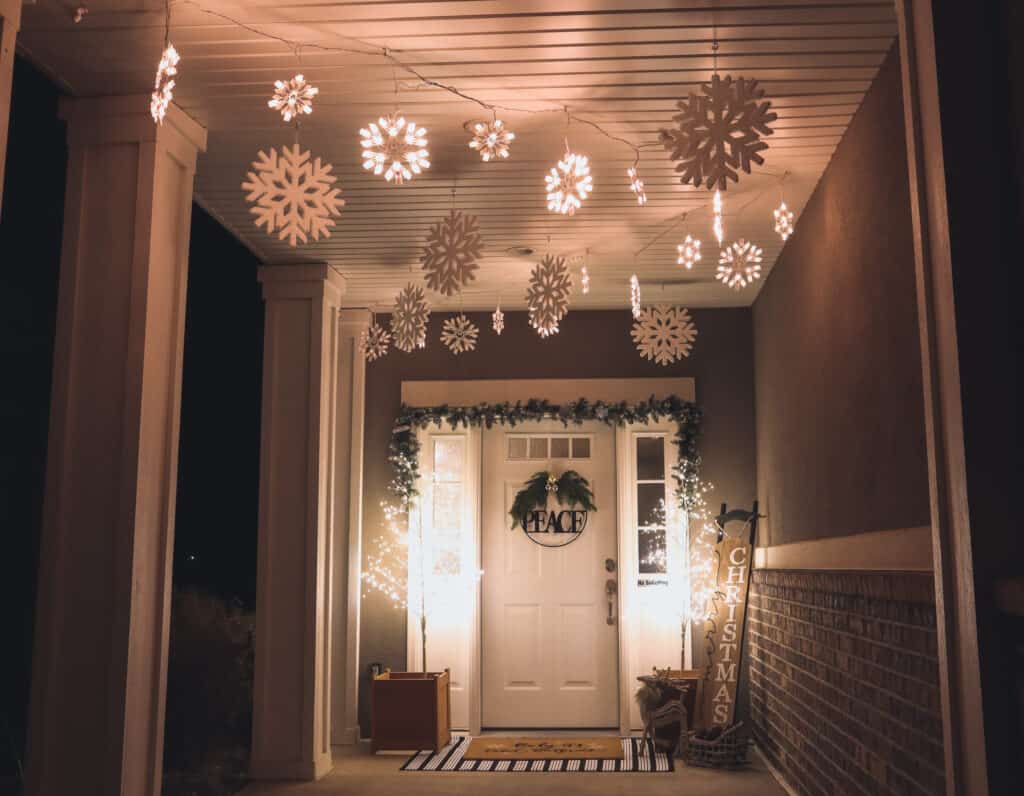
570, 488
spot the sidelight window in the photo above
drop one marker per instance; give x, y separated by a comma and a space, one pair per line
650, 499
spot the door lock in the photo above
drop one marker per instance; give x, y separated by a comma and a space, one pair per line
609, 565
611, 589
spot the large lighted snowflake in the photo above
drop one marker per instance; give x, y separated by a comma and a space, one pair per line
409, 319
293, 98
459, 334
719, 131
547, 296
491, 140
664, 333
739, 264
395, 148
689, 252
568, 184
163, 86
293, 194
450, 254
374, 341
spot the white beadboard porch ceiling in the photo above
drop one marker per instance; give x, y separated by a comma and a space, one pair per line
620, 64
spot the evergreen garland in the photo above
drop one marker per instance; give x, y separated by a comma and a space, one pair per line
571, 489
404, 448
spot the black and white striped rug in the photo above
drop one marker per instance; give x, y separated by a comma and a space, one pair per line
450, 759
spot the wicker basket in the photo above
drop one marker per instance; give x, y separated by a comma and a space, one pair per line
728, 750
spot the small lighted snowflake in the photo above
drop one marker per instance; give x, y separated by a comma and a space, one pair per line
547, 296
634, 296
409, 319
491, 140
636, 185
689, 252
739, 264
584, 280
395, 148
664, 333
374, 341
568, 184
783, 221
716, 224
459, 334
498, 321
293, 98
163, 86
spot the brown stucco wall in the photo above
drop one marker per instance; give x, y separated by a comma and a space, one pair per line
592, 344
840, 429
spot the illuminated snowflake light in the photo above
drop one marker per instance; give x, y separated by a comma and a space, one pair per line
739, 264
293, 98
498, 321
689, 252
584, 280
716, 224
491, 140
163, 86
636, 185
783, 221
634, 296
395, 148
568, 184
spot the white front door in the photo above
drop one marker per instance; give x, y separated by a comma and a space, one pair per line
550, 654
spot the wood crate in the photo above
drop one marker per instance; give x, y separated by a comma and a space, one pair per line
410, 711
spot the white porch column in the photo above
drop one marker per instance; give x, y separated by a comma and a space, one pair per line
348, 523
10, 21
100, 665
291, 703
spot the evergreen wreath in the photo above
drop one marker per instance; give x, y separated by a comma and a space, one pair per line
570, 488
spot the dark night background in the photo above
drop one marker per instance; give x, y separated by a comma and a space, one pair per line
215, 534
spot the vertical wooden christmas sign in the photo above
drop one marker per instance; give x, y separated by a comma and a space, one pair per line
725, 625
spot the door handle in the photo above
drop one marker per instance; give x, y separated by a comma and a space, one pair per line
611, 588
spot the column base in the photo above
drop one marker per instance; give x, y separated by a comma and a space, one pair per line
306, 770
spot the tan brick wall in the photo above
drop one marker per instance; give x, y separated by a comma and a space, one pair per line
844, 693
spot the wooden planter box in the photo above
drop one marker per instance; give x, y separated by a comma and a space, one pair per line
410, 711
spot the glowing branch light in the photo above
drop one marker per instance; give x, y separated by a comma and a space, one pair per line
293, 98
689, 252
783, 221
716, 209
739, 264
491, 140
395, 148
163, 86
636, 185
569, 183
634, 297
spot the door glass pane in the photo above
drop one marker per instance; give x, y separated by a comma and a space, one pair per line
581, 447
559, 447
652, 551
448, 459
517, 447
650, 504
538, 447
447, 507
650, 458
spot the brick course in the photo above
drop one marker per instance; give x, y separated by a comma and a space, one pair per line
843, 675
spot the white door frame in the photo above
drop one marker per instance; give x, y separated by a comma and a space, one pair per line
467, 393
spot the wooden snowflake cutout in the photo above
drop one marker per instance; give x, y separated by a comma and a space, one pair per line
409, 319
459, 334
664, 333
293, 195
293, 98
491, 140
450, 255
394, 147
739, 264
568, 184
719, 130
547, 296
374, 341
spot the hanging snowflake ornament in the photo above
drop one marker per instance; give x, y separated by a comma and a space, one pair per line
547, 296
783, 221
634, 296
739, 264
374, 341
498, 321
689, 252
293, 98
664, 333
293, 194
395, 148
459, 334
584, 280
163, 86
409, 319
491, 140
569, 183
716, 224
636, 185
450, 254
718, 131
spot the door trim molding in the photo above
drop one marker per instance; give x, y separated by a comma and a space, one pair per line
472, 392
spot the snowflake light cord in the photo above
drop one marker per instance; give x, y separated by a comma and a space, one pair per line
739, 264
568, 183
491, 140
395, 148
689, 252
293, 98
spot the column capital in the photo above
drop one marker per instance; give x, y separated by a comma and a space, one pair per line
126, 119
354, 320
308, 280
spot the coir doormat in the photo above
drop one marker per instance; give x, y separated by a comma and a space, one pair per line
629, 755
496, 748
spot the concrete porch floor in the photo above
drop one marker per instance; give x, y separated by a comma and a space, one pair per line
359, 773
